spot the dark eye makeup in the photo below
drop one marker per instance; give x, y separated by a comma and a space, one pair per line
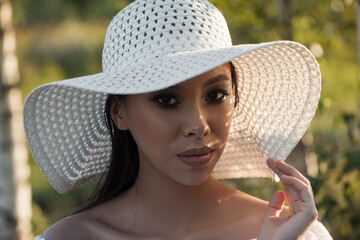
216, 96
171, 100
166, 100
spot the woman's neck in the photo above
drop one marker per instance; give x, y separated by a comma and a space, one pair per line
168, 207
157, 206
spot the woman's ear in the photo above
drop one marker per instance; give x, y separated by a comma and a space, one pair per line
117, 112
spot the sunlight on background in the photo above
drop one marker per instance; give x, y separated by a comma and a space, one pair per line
63, 39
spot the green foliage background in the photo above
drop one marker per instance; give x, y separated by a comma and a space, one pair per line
63, 39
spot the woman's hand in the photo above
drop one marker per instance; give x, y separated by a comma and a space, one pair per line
301, 205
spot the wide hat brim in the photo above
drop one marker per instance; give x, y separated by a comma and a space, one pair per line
279, 88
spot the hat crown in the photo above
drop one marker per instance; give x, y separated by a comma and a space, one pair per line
148, 29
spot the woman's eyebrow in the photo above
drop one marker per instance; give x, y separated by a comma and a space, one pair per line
218, 78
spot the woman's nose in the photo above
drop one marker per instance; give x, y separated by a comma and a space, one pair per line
195, 122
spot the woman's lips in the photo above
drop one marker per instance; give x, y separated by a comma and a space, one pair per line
196, 157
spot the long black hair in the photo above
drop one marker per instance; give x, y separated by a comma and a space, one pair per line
124, 162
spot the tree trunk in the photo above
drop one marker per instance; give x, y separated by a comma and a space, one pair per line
15, 191
357, 5
284, 11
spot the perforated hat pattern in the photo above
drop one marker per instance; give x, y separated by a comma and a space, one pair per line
149, 29
155, 44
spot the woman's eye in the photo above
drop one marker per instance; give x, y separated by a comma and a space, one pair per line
216, 96
167, 100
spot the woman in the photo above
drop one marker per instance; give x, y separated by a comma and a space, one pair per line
183, 107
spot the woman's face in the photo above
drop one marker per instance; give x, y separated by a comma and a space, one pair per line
181, 131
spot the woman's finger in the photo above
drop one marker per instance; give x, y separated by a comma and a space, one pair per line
297, 189
272, 165
276, 205
287, 169
281, 168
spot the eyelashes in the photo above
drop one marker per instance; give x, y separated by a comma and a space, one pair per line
170, 100
166, 100
216, 96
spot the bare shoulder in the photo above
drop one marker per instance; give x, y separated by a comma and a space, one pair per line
252, 208
67, 228
258, 205
82, 226
240, 214
98, 222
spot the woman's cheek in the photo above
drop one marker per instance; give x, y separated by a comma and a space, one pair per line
224, 118
150, 129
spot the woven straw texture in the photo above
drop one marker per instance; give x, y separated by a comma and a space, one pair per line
154, 44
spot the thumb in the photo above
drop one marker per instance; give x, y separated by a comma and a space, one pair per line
275, 205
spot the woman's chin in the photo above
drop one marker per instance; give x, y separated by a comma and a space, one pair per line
194, 180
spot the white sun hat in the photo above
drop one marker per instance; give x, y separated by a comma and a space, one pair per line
155, 44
